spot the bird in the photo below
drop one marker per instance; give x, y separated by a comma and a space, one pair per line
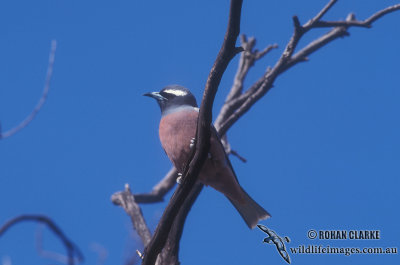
177, 130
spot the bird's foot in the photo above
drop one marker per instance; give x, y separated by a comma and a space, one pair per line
179, 178
192, 142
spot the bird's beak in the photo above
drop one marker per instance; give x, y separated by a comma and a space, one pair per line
155, 95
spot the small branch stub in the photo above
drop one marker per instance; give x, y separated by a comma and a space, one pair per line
126, 200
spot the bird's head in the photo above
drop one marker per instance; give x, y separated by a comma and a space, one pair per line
172, 97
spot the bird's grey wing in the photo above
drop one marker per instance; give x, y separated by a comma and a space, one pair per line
218, 154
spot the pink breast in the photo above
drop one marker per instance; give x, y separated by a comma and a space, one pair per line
176, 130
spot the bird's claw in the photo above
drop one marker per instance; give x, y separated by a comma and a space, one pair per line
192, 142
179, 178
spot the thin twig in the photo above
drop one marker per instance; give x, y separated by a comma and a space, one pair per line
320, 14
42, 99
159, 190
72, 250
235, 153
381, 13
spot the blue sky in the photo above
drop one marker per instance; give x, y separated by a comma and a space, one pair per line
322, 146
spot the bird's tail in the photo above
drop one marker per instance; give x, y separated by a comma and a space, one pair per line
250, 211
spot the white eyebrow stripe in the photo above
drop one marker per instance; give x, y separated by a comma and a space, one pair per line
175, 92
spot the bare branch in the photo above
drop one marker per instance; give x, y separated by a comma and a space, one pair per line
320, 14
301, 56
126, 200
228, 149
265, 51
355, 23
159, 190
72, 250
225, 55
42, 99
235, 153
330, 24
247, 60
381, 13
245, 101
170, 253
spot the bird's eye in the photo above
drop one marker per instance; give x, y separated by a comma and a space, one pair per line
167, 95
